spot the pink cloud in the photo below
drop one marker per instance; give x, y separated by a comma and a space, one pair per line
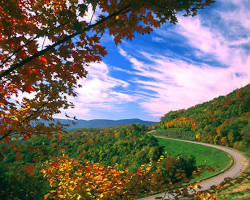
178, 84
98, 92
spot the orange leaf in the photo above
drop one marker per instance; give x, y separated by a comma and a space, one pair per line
83, 152
26, 137
35, 71
46, 196
59, 136
44, 60
18, 156
29, 71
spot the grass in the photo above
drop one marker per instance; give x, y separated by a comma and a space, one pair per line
217, 159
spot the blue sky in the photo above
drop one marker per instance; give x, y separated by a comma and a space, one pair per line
175, 67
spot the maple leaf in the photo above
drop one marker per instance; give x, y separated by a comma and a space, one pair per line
46, 196
75, 66
18, 156
30, 169
35, 71
59, 136
26, 137
29, 88
44, 60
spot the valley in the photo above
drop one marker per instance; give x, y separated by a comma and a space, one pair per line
130, 161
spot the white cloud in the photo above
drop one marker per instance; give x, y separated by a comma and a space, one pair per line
157, 39
201, 37
239, 15
175, 82
180, 83
98, 92
91, 15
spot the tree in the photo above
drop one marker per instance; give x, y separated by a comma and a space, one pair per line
50, 73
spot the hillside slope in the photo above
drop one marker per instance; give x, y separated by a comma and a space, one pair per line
224, 120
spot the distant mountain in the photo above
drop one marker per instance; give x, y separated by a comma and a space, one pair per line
99, 123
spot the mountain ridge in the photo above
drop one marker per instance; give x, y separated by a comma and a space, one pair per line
98, 123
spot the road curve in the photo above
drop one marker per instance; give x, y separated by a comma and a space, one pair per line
240, 164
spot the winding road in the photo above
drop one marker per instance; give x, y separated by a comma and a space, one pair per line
240, 164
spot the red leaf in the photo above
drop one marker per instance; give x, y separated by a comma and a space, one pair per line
75, 66
30, 169
59, 136
18, 156
44, 60
52, 66
35, 71
29, 71
26, 137
83, 152
29, 88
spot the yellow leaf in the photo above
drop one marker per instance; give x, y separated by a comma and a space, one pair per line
78, 197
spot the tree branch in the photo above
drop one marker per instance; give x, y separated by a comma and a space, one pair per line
42, 33
50, 47
6, 135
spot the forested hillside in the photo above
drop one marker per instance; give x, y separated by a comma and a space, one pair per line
224, 120
112, 163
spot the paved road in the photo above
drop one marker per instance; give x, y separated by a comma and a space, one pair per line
240, 164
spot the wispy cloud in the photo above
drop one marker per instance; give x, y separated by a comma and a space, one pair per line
196, 60
98, 92
238, 15
157, 39
181, 83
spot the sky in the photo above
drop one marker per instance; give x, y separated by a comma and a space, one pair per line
175, 67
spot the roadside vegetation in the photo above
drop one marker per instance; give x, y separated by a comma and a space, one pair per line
204, 156
239, 188
224, 120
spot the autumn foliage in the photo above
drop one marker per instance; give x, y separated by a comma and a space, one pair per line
71, 179
46, 47
77, 165
223, 121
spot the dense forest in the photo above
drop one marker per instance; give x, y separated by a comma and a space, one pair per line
119, 162
224, 120
91, 164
